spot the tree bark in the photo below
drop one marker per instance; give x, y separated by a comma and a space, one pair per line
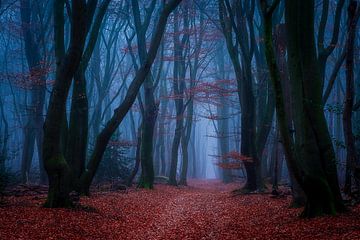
313, 143
66, 65
351, 155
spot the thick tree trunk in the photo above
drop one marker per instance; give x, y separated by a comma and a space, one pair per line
313, 166
280, 42
351, 154
67, 64
316, 153
147, 137
78, 126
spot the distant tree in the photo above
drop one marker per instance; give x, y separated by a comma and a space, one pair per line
34, 27
179, 85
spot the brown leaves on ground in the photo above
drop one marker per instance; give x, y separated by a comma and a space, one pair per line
205, 210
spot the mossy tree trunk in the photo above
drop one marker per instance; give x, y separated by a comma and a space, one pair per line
311, 157
351, 154
62, 172
66, 65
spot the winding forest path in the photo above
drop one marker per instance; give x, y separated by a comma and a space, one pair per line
203, 210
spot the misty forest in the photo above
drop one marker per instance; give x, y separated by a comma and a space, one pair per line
179, 119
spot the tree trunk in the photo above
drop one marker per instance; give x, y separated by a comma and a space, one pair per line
120, 112
137, 159
67, 64
351, 154
320, 182
179, 87
147, 136
78, 126
33, 129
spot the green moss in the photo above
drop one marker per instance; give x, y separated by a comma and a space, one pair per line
145, 184
56, 163
59, 183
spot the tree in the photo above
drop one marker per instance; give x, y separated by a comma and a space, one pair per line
179, 86
59, 172
237, 23
121, 111
33, 127
223, 112
310, 153
77, 137
150, 111
67, 64
351, 154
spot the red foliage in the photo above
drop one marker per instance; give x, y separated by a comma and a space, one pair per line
232, 160
237, 156
206, 210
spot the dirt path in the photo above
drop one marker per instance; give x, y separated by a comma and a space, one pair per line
204, 210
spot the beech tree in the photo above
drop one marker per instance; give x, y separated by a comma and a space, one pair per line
310, 153
179, 85
31, 16
352, 164
237, 23
59, 172
150, 110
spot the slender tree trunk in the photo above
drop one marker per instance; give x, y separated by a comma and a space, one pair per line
121, 111
137, 159
33, 129
179, 87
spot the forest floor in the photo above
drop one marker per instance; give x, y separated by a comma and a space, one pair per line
203, 210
